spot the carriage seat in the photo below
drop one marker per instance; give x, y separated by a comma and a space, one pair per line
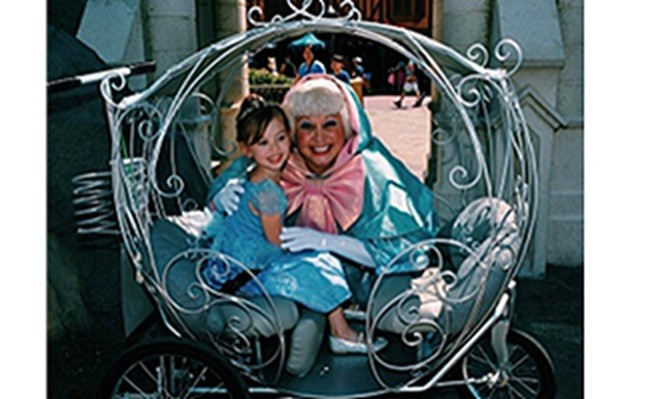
487, 226
168, 240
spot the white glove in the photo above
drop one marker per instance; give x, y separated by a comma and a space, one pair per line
296, 239
227, 199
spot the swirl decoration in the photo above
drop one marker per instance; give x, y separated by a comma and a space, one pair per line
347, 9
174, 183
231, 321
353, 13
504, 50
114, 82
479, 54
137, 130
459, 173
477, 89
441, 137
507, 48
490, 100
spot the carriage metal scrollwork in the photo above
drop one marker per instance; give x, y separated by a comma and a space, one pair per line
437, 318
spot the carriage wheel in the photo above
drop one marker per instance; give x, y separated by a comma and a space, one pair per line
528, 374
171, 368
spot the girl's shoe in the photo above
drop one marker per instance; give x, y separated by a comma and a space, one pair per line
343, 346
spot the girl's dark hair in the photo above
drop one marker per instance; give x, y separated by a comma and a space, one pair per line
254, 116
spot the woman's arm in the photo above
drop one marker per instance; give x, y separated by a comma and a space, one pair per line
297, 239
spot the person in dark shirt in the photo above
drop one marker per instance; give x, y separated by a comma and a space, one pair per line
337, 65
357, 68
288, 68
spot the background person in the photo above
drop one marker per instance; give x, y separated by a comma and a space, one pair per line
410, 86
337, 65
357, 68
288, 68
399, 76
310, 64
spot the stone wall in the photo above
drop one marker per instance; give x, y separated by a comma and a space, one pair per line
465, 23
130, 31
566, 219
172, 31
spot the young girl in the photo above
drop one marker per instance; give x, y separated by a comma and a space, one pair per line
252, 233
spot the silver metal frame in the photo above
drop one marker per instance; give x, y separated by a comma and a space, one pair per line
479, 122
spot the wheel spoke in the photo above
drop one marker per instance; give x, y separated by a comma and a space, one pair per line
141, 365
134, 386
170, 370
514, 393
523, 358
523, 384
195, 382
526, 376
480, 359
161, 380
147, 371
486, 358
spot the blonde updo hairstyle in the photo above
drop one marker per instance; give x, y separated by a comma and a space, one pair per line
317, 97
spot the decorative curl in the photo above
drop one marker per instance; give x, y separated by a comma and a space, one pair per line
441, 137
115, 81
479, 54
459, 173
506, 49
353, 12
175, 183
255, 14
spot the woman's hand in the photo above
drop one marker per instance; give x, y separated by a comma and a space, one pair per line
296, 239
227, 199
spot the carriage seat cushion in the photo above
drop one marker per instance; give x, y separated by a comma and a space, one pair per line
252, 316
306, 340
488, 227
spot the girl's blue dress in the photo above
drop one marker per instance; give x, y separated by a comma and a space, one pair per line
314, 279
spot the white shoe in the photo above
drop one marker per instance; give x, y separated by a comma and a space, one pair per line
353, 314
343, 346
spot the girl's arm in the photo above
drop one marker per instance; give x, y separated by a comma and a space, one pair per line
272, 226
269, 204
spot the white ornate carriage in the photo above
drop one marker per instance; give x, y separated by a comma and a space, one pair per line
436, 319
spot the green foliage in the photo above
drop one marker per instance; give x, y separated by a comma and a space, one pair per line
265, 77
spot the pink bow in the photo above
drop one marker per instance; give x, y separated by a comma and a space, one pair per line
326, 201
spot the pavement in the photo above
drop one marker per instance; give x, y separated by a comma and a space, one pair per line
403, 130
550, 308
